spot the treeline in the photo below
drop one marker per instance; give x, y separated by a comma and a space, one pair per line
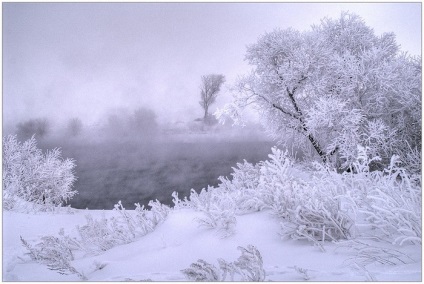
115, 123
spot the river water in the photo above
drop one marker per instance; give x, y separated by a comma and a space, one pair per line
136, 172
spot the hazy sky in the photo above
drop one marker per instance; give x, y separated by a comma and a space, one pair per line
63, 60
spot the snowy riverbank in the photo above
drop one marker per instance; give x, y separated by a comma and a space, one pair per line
180, 241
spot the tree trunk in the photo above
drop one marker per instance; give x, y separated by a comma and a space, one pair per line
311, 138
206, 113
317, 147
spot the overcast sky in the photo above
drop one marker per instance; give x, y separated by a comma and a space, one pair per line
63, 60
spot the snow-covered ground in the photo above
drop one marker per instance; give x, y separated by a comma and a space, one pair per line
180, 241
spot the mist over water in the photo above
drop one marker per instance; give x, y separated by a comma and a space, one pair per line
136, 170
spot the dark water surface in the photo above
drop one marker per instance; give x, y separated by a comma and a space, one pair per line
134, 171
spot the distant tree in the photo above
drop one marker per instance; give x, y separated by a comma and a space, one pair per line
38, 127
74, 126
115, 124
209, 88
334, 87
121, 122
144, 120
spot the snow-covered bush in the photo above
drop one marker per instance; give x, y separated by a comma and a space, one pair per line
250, 264
159, 212
55, 252
307, 210
315, 214
326, 206
97, 236
141, 221
411, 162
276, 182
388, 202
243, 187
223, 221
202, 271
364, 254
392, 206
334, 206
249, 267
29, 175
218, 210
103, 234
178, 203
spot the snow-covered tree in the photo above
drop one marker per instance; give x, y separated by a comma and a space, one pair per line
209, 88
28, 174
333, 87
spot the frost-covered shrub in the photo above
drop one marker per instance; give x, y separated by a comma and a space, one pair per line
202, 271
243, 187
392, 206
55, 252
363, 254
178, 203
315, 215
97, 236
250, 264
159, 211
224, 221
387, 201
103, 234
141, 220
218, 210
309, 210
322, 205
411, 162
275, 186
201, 201
249, 267
127, 222
331, 205
28, 174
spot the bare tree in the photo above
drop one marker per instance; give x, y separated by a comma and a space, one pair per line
209, 88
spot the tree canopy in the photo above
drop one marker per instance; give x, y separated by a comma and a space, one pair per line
211, 84
334, 87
